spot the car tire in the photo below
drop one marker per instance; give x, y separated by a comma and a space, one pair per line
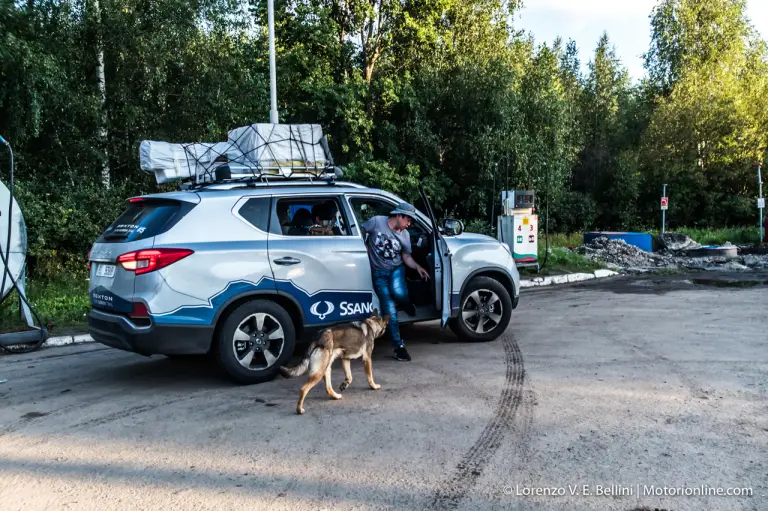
254, 341
494, 311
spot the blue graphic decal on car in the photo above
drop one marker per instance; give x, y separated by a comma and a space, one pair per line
102, 298
323, 306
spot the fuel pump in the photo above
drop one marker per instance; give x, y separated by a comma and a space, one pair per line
518, 227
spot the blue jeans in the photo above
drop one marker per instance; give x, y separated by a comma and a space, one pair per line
391, 288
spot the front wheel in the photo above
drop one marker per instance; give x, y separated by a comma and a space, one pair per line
486, 309
255, 340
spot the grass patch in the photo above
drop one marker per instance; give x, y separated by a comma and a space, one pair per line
563, 260
61, 304
736, 235
574, 239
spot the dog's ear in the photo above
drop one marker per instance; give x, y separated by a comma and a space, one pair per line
386, 318
375, 313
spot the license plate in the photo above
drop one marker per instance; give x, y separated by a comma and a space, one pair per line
105, 270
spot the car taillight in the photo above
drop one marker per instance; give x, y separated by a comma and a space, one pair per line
145, 261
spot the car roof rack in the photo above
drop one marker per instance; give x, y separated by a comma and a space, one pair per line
224, 179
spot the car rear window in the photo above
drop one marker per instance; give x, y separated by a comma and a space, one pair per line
144, 219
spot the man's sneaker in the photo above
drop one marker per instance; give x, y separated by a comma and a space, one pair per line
402, 354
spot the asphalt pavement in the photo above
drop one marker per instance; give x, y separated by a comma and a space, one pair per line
621, 393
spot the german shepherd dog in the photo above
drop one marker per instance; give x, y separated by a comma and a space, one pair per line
347, 342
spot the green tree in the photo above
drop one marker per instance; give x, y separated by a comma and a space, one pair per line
688, 33
709, 128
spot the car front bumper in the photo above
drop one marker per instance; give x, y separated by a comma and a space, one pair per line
119, 332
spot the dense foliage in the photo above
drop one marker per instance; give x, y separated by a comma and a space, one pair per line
440, 92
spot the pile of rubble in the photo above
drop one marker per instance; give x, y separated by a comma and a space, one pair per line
677, 242
618, 255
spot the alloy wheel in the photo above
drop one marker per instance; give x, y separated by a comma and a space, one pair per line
482, 311
258, 341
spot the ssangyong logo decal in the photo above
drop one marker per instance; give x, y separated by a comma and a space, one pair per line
315, 309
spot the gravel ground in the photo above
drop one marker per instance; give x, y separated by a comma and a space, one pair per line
642, 382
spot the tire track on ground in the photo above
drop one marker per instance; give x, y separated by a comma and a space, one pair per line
470, 468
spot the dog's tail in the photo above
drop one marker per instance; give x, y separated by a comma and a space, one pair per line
292, 372
310, 361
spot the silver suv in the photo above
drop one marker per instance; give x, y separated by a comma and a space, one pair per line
234, 270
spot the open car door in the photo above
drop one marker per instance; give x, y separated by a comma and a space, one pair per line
442, 258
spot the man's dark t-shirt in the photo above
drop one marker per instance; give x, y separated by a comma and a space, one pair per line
384, 244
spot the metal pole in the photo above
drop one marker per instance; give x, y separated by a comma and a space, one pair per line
493, 193
663, 211
760, 184
273, 116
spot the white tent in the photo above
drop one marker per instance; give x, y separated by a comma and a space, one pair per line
17, 255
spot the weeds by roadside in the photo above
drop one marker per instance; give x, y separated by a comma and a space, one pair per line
561, 259
735, 235
62, 305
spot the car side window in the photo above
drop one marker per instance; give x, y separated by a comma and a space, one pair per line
310, 216
365, 208
255, 211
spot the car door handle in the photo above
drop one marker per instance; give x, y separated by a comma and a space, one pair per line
287, 261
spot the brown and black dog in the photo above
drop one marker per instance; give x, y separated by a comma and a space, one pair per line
347, 342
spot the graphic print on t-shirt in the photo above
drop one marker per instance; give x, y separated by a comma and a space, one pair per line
386, 247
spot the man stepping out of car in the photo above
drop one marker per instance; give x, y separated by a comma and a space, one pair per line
389, 249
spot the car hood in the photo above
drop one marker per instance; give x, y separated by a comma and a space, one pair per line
470, 238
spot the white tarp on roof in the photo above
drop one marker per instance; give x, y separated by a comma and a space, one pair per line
174, 162
271, 149
281, 145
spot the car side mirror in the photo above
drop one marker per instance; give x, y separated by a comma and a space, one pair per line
452, 227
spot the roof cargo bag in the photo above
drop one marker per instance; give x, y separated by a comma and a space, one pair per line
253, 151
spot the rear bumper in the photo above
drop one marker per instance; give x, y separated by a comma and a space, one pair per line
118, 332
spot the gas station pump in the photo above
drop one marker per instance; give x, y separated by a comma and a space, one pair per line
518, 227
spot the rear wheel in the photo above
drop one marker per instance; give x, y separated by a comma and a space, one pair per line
255, 340
486, 309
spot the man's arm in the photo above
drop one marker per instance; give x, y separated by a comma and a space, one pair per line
366, 227
410, 263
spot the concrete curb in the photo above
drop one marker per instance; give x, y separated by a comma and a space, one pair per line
566, 279
66, 340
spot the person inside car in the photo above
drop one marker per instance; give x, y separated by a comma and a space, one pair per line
324, 216
300, 223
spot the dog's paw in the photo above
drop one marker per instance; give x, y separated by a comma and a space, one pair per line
343, 386
376, 387
300, 411
336, 396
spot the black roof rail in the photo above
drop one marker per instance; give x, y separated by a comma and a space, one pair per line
222, 173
